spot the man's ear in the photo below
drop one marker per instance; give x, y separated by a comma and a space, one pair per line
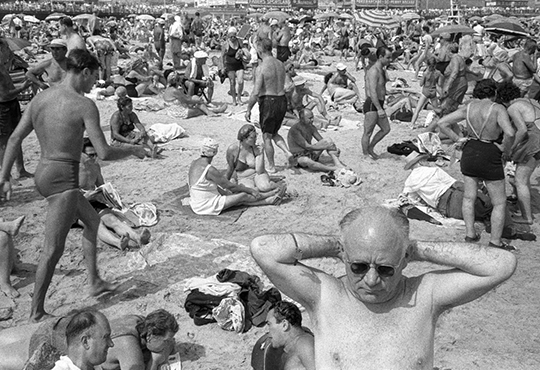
85, 341
286, 325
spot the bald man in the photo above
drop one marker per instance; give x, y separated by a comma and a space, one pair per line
374, 315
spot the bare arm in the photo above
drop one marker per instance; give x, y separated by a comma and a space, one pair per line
127, 352
259, 160
231, 157
35, 73
278, 257
215, 176
451, 119
138, 123
477, 270
504, 123
115, 129
255, 93
531, 63
372, 81
306, 352
517, 118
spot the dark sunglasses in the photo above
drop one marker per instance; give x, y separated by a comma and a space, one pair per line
362, 268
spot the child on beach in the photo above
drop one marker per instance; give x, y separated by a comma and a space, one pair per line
431, 82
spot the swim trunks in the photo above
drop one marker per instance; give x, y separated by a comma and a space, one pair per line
314, 155
10, 115
283, 53
370, 107
272, 111
132, 91
54, 176
482, 160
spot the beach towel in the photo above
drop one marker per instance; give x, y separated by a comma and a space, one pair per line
162, 133
429, 142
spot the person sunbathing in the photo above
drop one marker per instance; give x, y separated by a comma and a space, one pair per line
8, 229
139, 80
245, 161
112, 230
211, 193
123, 123
307, 154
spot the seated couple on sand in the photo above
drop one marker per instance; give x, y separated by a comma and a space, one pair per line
127, 342
211, 192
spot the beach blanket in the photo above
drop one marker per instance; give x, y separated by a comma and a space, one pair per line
162, 132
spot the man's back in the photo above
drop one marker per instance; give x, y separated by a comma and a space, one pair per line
273, 74
298, 133
519, 67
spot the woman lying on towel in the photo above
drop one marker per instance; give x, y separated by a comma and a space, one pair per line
123, 123
245, 162
210, 192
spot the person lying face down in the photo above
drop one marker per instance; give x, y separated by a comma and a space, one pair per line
375, 315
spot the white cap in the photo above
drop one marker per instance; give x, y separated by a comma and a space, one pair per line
341, 67
199, 54
232, 30
58, 42
274, 22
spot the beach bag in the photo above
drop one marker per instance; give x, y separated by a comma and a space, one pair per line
405, 148
403, 115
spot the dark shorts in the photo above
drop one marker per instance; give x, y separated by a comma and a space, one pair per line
10, 115
56, 176
132, 91
283, 53
482, 160
313, 155
370, 107
314, 61
272, 111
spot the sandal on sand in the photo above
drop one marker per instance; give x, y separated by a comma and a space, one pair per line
474, 239
505, 246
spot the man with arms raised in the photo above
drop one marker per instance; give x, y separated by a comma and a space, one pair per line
269, 89
374, 112
374, 315
60, 115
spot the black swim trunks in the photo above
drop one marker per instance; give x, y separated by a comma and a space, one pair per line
283, 53
482, 160
314, 155
272, 111
10, 115
370, 107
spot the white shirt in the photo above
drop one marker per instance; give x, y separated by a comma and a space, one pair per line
429, 183
65, 363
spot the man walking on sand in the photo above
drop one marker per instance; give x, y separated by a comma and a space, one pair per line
374, 112
269, 89
60, 115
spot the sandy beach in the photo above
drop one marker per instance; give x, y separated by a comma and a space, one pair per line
497, 331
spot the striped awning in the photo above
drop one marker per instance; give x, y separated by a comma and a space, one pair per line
377, 18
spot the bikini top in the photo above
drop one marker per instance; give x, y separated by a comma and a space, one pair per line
240, 166
126, 128
479, 135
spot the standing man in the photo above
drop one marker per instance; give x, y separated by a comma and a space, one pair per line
197, 28
55, 68
73, 39
374, 112
269, 89
60, 115
524, 66
10, 110
375, 317
455, 82
159, 41
176, 33
282, 38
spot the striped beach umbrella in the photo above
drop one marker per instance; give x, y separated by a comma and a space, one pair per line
377, 18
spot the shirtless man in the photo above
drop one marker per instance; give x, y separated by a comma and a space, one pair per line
342, 86
282, 38
524, 66
284, 322
482, 158
10, 110
374, 315
73, 39
307, 154
374, 112
269, 89
264, 31
54, 68
59, 129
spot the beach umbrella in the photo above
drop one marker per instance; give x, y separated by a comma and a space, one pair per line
377, 18
255, 15
345, 16
31, 19
8, 17
453, 28
55, 16
81, 17
132, 16
16, 44
476, 19
327, 15
307, 18
167, 15
111, 24
279, 15
492, 17
410, 16
507, 28
145, 17
504, 20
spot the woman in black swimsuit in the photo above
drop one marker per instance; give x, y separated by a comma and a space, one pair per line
139, 80
245, 162
123, 123
231, 53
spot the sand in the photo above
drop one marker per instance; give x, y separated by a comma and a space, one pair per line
498, 331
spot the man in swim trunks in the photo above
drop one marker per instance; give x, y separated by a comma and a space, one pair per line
10, 110
374, 112
524, 65
269, 89
282, 36
285, 330
59, 129
374, 316
482, 158
307, 154
342, 86
54, 68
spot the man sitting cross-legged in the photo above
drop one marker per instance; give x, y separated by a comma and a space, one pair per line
307, 154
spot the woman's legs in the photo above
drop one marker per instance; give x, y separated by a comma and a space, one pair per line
267, 198
232, 82
421, 103
523, 188
240, 79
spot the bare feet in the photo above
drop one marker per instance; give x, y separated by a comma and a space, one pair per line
372, 154
101, 286
124, 240
9, 290
40, 316
144, 238
15, 225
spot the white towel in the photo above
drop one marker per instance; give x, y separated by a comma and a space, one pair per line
162, 133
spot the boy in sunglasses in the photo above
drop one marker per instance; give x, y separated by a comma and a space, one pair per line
374, 315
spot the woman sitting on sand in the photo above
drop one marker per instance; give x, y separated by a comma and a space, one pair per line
123, 124
245, 161
139, 80
210, 192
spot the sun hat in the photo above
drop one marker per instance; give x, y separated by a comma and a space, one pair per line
58, 43
199, 54
413, 159
209, 147
341, 67
232, 30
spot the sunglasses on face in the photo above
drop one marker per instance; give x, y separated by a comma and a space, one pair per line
362, 268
